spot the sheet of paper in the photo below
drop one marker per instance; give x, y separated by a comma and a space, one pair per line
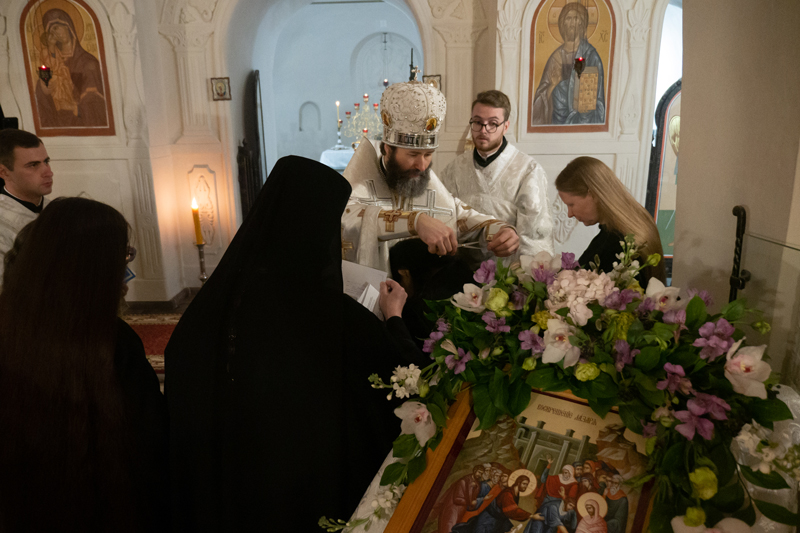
370, 299
357, 278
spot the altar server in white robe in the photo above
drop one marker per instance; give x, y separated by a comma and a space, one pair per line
396, 195
497, 179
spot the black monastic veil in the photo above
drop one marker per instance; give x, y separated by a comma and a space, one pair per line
273, 421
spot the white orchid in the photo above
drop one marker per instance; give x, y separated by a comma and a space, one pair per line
416, 420
746, 371
557, 345
665, 298
472, 299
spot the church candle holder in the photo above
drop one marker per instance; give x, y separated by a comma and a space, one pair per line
202, 256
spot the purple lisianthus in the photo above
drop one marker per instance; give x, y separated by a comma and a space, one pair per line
543, 275
675, 316
625, 355
646, 307
618, 300
568, 261
715, 339
485, 273
518, 298
693, 423
427, 344
494, 324
649, 429
676, 380
457, 363
531, 341
704, 295
442, 325
713, 406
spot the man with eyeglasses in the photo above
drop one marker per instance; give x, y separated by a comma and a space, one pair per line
27, 179
396, 195
497, 179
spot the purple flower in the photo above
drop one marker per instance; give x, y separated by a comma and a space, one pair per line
704, 295
649, 429
485, 273
427, 344
709, 404
457, 363
646, 306
568, 261
675, 316
693, 423
624, 354
715, 339
495, 325
442, 325
620, 299
518, 299
545, 276
676, 380
531, 341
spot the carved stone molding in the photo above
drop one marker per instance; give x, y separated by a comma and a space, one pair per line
203, 187
509, 22
638, 24
187, 37
148, 236
563, 225
638, 19
188, 11
448, 8
459, 34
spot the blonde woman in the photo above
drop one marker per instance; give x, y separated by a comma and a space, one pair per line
594, 195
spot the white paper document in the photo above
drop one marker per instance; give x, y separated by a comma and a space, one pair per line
363, 284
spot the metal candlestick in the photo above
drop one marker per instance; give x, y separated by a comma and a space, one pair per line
202, 277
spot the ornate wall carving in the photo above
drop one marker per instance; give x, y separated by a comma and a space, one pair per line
563, 225
448, 8
638, 21
203, 187
125, 35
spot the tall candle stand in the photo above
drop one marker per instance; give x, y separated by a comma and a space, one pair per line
202, 256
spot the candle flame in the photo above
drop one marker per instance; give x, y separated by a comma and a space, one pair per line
337, 103
194, 203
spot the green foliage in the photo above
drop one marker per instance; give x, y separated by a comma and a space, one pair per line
773, 480
776, 513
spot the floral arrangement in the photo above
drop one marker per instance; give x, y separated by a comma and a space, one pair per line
677, 374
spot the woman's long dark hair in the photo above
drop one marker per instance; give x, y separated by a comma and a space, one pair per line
63, 447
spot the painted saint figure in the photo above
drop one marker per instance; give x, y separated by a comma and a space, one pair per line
458, 497
556, 496
554, 100
592, 509
75, 95
496, 518
617, 500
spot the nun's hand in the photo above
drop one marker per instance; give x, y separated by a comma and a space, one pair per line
393, 298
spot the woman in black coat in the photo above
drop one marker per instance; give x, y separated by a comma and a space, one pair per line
273, 420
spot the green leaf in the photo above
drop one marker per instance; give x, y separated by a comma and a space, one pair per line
713, 515
695, 313
404, 445
394, 473
542, 378
483, 406
746, 515
438, 415
729, 499
630, 419
734, 310
416, 466
603, 387
602, 406
435, 440
635, 332
673, 459
519, 396
498, 390
648, 358
660, 518
773, 480
722, 458
776, 513
768, 411
564, 311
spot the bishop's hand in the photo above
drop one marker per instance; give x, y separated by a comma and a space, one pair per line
441, 239
504, 243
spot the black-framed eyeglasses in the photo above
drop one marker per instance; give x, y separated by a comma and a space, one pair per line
131, 255
490, 128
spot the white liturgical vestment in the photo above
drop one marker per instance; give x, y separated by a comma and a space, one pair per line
375, 217
512, 188
13, 217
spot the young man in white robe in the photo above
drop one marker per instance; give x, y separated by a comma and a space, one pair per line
497, 179
396, 195
25, 170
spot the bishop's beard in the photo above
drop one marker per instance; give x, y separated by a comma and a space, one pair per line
409, 183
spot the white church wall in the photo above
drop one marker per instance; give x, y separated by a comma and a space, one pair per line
739, 146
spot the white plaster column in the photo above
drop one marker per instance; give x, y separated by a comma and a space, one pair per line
638, 29
459, 39
189, 42
10, 107
125, 36
509, 30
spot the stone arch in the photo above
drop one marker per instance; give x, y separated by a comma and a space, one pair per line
310, 117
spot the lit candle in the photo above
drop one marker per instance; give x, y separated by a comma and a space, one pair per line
337, 110
365, 131
198, 234
375, 106
366, 97
356, 105
385, 83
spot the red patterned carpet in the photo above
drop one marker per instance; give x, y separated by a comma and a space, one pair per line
155, 331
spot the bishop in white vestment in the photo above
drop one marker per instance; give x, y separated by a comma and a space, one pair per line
378, 214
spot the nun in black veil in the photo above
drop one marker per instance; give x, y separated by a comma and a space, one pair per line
272, 420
